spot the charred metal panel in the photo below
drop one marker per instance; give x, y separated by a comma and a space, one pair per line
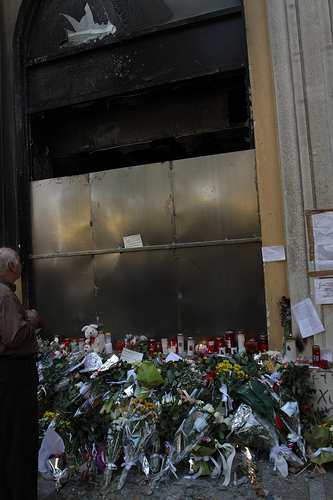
215, 197
59, 25
170, 56
169, 284
60, 215
222, 289
129, 201
64, 289
134, 125
137, 293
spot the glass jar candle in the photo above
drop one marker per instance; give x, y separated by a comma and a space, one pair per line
180, 343
101, 341
211, 345
291, 348
315, 355
190, 346
67, 344
241, 340
81, 344
164, 342
219, 343
263, 342
173, 345
120, 346
151, 347
229, 341
251, 346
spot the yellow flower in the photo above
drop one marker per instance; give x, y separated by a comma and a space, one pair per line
49, 415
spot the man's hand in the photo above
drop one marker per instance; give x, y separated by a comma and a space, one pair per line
33, 312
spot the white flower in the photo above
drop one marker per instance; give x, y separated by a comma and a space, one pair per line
209, 408
79, 385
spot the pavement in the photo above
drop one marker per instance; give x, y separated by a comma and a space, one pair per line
260, 481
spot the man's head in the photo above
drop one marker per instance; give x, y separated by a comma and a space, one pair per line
10, 267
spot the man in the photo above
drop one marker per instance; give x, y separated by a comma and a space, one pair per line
18, 388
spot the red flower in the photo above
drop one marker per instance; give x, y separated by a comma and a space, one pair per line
279, 424
275, 387
323, 364
40, 414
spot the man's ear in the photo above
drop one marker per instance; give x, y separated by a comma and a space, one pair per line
12, 266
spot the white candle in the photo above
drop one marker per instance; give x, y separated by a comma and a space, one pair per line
101, 341
108, 348
164, 346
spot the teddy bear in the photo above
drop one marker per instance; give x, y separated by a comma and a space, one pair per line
90, 333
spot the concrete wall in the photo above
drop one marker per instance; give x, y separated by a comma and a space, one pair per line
301, 47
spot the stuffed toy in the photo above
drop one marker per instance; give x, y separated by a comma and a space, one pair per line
90, 333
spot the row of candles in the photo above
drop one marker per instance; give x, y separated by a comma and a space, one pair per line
224, 345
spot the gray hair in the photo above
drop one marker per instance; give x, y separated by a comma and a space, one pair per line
7, 255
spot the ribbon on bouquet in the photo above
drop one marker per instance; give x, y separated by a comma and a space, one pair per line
226, 399
127, 462
317, 452
226, 463
169, 466
184, 396
206, 458
210, 376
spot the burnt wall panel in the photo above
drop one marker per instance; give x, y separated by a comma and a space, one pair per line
173, 56
222, 289
137, 293
128, 201
215, 197
60, 215
64, 291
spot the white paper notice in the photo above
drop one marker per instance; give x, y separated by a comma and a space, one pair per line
131, 356
133, 241
271, 254
324, 291
172, 357
307, 318
323, 240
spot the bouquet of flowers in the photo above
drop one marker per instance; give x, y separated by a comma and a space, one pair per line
138, 431
114, 447
136, 342
199, 422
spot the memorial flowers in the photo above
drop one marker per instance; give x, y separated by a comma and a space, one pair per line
113, 416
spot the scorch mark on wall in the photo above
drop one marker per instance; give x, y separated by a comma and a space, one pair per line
86, 29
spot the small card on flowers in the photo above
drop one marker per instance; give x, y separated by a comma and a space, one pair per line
131, 356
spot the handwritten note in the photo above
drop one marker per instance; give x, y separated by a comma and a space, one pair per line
131, 356
134, 241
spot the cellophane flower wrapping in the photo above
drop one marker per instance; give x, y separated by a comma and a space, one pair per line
138, 432
199, 422
148, 377
114, 447
251, 429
